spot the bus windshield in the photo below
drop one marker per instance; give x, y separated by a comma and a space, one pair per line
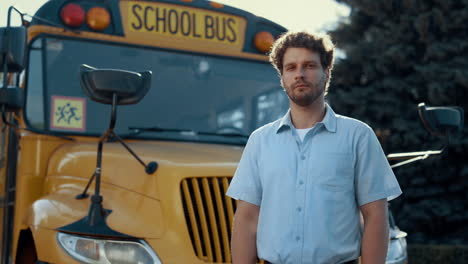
189, 91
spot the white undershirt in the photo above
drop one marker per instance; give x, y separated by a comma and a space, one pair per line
302, 132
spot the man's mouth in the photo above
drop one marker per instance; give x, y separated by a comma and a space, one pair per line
301, 85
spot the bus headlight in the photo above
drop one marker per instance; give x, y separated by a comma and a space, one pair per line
104, 251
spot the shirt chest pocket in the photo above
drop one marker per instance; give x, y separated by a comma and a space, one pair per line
334, 171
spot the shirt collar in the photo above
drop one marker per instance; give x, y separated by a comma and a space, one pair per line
329, 121
285, 121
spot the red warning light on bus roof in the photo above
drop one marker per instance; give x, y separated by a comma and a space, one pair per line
72, 15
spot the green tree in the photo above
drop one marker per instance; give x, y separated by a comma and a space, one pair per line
399, 53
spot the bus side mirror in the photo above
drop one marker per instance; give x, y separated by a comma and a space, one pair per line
12, 55
13, 48
11, 99
100, 85
441, 121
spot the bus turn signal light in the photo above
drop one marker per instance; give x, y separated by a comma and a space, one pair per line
72, 15
98, 18
263, 41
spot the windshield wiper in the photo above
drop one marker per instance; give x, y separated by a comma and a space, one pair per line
139, 130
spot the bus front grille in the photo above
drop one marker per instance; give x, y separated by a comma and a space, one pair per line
208, 213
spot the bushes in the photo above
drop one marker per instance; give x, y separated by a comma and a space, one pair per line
399, 53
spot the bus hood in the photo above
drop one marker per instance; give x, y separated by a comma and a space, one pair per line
139, 202
176, 160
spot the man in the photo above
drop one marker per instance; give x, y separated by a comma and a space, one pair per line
304, 179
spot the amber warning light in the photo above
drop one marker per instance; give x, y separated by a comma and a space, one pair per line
263, 41
98, 18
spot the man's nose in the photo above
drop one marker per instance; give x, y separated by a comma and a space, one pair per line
299, 74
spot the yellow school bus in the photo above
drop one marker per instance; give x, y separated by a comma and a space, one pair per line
211, 86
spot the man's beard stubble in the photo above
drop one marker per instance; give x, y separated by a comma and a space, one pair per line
308, 97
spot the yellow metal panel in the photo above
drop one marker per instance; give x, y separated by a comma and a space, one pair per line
48, 249
203, 219
193, 221
52, 171
79, 160
33, 31
155, 22
34, 153
212, 219
132, 213
229, 208
222, 218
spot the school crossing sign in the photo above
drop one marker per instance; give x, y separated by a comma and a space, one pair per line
68, 113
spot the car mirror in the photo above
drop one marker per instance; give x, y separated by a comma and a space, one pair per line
11, 98
100, 85
442, 120
13, 48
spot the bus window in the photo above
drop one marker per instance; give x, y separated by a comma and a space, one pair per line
189, 91
232, 119
271, 105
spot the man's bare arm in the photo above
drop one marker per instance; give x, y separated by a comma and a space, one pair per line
244, 233
375, 238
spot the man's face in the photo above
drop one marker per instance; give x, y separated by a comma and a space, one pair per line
303, 76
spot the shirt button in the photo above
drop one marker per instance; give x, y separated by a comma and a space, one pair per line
303, 157
299, 209
298, 238
301, 182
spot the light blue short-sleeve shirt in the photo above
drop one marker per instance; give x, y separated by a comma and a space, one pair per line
310, 191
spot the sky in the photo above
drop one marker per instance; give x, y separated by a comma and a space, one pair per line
311, 15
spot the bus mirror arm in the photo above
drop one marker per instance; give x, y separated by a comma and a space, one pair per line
127, 88
441, 121
150, 168
410, 157
97, 214
5, 120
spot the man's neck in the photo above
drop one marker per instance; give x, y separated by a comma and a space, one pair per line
306, 117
